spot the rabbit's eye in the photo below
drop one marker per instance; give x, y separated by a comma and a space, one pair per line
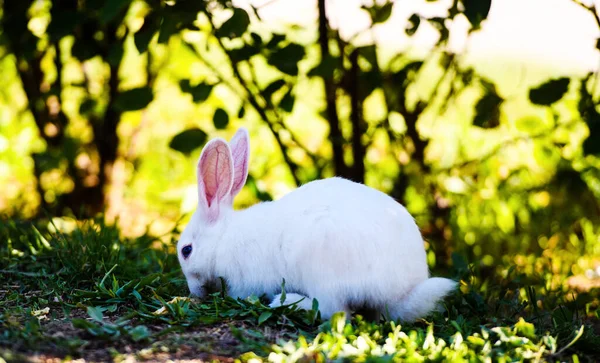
185, 251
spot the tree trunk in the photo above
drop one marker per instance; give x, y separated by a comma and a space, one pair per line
356, 118
45, 104
335, 134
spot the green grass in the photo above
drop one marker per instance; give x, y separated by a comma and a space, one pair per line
94, 295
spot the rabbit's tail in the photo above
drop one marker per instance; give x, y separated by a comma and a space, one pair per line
423, 299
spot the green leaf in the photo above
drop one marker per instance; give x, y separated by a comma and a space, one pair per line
549, 92
477, 11
95, 313
199, 92
71, 147
283, 295
545, 155
529, 124
256, 39
405, 76
168, 27
466, 76
273, 87
115, 54
369, 53
338, 322
440, 24
139, 333
287, 101
136, 295
369, 82
562, 316
244, 53
189, 8
589, 113
505, 217
87, 106
111, 9
525, 329
414, 22
276, 38
591, 145
459, 262
84, 49
445, 61
379, 13
189, 140
220, 118
477, 341
325, 68
144, 35
63, 23
235, 26
47, 160
286, 59
315, 305
264, 316
134, 99
82, 324
487, 110
177, 17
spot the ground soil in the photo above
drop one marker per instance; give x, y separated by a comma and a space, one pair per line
215, 342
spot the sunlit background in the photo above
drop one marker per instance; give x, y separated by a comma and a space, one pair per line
518, 186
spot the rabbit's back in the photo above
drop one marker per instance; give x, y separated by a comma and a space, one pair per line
346, 236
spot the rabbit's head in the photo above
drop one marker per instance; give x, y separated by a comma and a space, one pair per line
222, 171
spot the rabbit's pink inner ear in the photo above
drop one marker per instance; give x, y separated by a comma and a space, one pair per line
215, 172
240, 150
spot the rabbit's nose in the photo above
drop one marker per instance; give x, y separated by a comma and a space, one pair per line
195, 286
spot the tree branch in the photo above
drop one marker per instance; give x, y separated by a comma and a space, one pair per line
335, 134
241, 94
592, 9
254, 103
356, 118
278, 119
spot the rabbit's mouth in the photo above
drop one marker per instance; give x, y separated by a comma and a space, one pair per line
195, 287
201, 288
214, 285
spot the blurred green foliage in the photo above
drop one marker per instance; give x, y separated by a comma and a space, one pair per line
106, 105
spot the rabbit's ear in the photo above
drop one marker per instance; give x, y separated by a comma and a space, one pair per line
240, 151
215, 176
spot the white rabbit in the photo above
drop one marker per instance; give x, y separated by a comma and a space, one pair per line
343, 243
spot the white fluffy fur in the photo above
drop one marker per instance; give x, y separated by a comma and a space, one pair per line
343, 243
